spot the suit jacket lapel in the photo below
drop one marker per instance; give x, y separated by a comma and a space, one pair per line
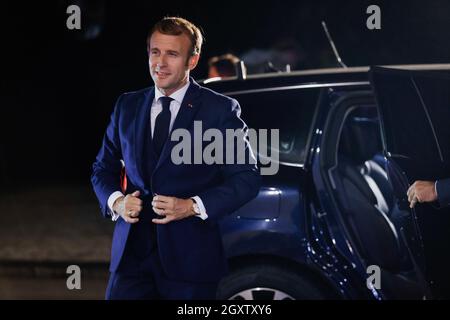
188, 109
142, 123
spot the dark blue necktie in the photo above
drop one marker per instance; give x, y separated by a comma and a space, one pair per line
162, 124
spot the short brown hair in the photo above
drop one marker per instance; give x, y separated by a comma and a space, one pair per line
175, 26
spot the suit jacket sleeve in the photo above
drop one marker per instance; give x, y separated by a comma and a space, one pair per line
240, 182
107, 167
443, 192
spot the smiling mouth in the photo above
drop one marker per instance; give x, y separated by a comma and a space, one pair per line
161, 74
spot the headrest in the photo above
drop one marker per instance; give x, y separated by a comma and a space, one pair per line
360, 138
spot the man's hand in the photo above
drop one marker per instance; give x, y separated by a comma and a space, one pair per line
129, 207
172, 208
421, 191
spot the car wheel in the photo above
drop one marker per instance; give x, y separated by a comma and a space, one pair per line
267, 283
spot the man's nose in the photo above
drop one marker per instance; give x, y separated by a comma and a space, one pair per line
162, 60
158, 61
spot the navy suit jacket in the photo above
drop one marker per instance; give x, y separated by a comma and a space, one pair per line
190, 249
443, 192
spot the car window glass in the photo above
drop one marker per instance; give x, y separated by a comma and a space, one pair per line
290, 111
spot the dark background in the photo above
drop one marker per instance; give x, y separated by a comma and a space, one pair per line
58, 86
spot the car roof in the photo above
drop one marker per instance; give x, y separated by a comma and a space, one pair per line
304, 78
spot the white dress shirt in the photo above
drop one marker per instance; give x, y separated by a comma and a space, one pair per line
156, 108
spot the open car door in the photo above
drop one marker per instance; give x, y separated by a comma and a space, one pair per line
414, 112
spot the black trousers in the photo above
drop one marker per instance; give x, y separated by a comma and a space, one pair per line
140, 278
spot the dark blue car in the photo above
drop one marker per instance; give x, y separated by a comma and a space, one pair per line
334, 222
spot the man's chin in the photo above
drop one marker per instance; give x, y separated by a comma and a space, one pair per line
164, 87
161, 84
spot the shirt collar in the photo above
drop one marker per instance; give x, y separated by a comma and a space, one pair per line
178, 95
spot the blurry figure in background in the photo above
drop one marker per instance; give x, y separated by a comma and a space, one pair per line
285, 55
222, 66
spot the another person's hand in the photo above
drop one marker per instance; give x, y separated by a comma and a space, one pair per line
129, 207
421, 191
172, 208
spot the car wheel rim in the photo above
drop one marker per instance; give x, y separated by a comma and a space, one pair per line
261, 294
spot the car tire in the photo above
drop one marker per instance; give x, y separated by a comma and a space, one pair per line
267, 283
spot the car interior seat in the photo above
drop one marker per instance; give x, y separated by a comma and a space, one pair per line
364, 191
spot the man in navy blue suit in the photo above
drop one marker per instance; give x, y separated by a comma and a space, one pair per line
430, 191
167, 243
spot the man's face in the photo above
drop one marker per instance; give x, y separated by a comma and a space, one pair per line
170, 61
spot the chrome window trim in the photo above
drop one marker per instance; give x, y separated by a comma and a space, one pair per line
300, 86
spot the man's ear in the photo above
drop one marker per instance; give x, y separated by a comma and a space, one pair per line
193, 61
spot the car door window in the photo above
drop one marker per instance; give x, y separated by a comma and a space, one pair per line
289, 111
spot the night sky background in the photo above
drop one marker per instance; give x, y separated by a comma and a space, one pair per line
58, 86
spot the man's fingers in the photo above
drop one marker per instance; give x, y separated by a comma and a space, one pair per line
413, 202
137, 193
162, 205
409, 190
163, 211
133, 211
134, 201
132, 214
162, 221
162, 198
131, 220
133, 207
160, 212
411, 194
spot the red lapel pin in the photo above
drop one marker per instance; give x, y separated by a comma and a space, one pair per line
189, 105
